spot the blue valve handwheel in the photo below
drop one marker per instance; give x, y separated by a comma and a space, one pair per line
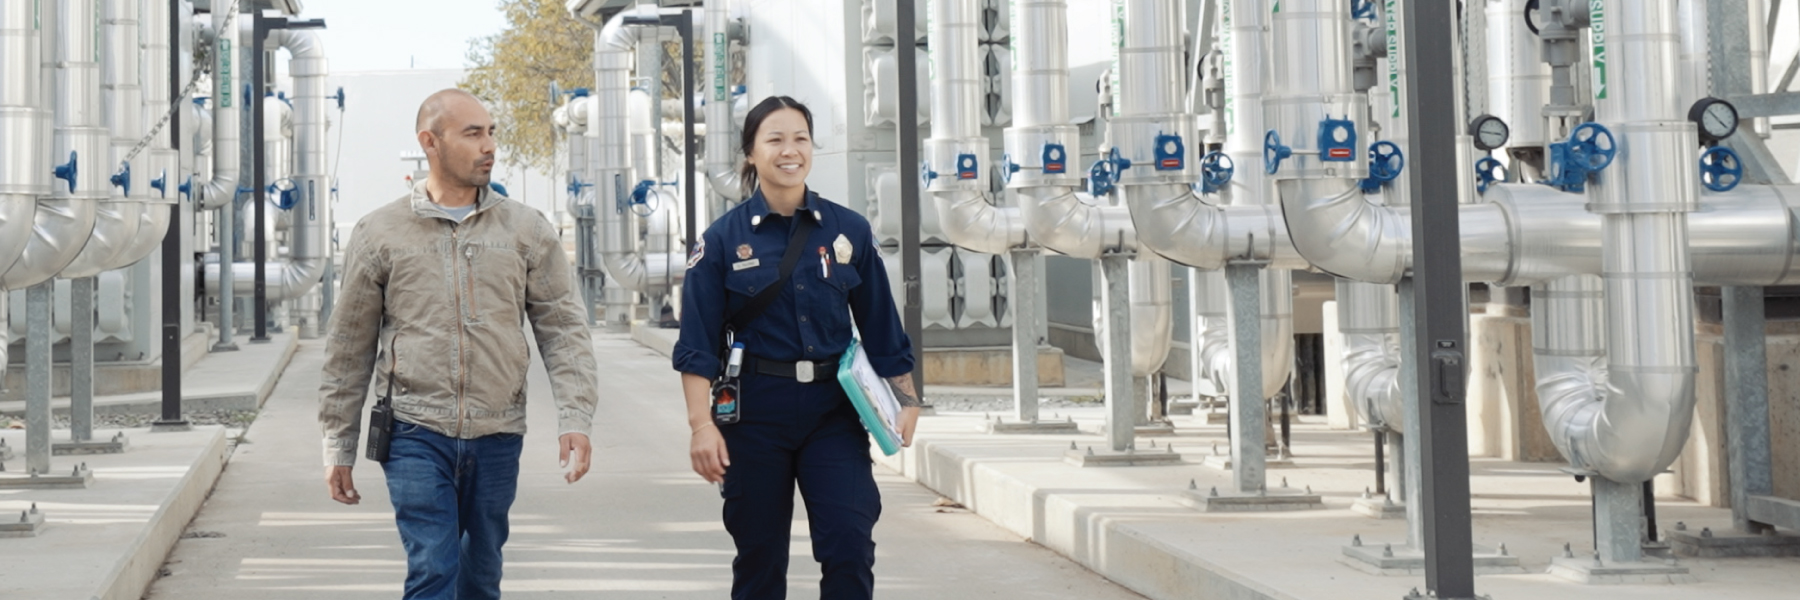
122, 179
67, 171
1216, 169
1101, 177
1007, 168
1385, 161
1592, 145
161, 184
1487, 171
1720, 169
926, 174
1274, 152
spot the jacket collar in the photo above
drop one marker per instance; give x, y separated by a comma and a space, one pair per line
758, 207
485, 198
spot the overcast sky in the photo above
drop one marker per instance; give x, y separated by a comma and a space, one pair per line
384, 35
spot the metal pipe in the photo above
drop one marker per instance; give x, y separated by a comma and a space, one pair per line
608, 125
309, 236
221, 187
969, 217
65, 218
1368, 320
24, 170
1152, 314
1518, 82
121, 100
159, 160
722, 152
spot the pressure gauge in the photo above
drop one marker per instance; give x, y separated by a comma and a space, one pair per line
1489, 132
1717, 119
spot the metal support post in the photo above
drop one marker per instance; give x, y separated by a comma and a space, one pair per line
1619, 520
1380, 462
913, 313
1249, 414
37, 377
1746, 403
1025, 310
1121, 399
81, 359
1430, 52
684, 24
1408, 478
259, 245
172, 298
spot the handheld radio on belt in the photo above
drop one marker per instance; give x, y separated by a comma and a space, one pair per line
726, 391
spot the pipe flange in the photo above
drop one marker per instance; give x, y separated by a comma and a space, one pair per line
1301, 120
953, 165
1036, 150
1161, 149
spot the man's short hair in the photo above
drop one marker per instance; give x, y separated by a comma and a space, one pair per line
432, 109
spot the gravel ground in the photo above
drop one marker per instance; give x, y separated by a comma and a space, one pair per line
231, 419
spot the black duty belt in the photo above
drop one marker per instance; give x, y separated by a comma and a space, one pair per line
806, 371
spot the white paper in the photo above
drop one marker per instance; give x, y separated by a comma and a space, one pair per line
878, 391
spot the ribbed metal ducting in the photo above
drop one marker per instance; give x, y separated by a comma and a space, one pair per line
71, 72
24, 168
310, 222
1369, 321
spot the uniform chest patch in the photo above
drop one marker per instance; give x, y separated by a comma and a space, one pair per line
746, 264
698, 253
744, 252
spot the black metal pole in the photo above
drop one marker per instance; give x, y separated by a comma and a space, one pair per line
1380, 462
171, 246
1440, 322
912, 314
259, 300
1650, 509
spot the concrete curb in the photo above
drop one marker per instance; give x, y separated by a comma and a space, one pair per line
150, 403
131, 576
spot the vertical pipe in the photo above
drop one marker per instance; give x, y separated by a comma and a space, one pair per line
908, 105
1121, 404
81, 359
259, 247
1024, 308
25, 174
227, 121
1429, 50
1249, 414
1746, 403
685, 25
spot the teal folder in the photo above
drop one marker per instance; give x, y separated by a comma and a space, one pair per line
874, 401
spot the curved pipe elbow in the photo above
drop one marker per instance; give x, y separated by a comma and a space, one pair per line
1372, 377
153, 224
1175, 223
1074, 224
17, 214
282, 280
1152, 315
1339, 231
972, 223
116, 224
60, 229
643, 273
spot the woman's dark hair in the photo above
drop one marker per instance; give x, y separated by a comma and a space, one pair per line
752, 123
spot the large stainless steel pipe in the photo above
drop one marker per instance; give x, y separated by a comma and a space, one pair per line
122, 99
24, 165
1368, 318
221, 187
1518, 81
65, 218
309, 237
970, 219
159, 160
722, 152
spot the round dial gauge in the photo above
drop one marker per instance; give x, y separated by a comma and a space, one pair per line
1489, 132
1717, 119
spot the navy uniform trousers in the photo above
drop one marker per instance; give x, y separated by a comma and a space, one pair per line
805, 433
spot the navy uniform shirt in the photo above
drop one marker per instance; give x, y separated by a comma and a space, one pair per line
740, 255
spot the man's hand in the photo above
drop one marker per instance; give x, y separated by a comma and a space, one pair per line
909, 421
337, 479
576, 444
707, 450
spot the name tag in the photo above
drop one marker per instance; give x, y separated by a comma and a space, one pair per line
745, 264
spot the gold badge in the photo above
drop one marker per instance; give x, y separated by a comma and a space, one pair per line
744, 252
843, 249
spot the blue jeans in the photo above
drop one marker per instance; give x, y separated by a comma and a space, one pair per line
450, 500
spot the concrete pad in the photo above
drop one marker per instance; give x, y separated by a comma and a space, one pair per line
1728, 543
77, 477
221, 381
1090, 457
1386, 559
1593, 571
1222, 462
107, 542
102, 444
1383, 507
1002, 426
1269, 501
30, 521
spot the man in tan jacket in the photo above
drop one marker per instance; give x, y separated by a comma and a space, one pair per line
436, 288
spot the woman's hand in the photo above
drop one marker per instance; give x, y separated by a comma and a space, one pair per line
707, 450
909, 421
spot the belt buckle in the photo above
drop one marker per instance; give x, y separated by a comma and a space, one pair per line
803, 371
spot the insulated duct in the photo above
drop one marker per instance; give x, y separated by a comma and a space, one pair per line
24, 172
1640, 423
65, 218
1368, 318
309, 232
221, 188
158, 163
723, 155
118, 218
956, 154
608, 125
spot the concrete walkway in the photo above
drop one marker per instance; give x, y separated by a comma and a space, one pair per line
640, 526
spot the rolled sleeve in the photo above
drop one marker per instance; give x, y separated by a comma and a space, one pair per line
703, 301
883, 336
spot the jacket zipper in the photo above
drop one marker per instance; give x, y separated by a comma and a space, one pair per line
462, 371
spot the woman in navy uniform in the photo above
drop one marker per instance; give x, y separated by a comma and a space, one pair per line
796, 424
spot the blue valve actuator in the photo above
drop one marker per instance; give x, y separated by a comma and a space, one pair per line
339, 96
1337, 140
1274, 152
285, 197
926, 175
1216, 169
1056, 159
1007, 167
67, 171
1386, 161
1589, 149
1487, 172
1170, 153
122, 179
187, 187
1720, 169
1102, 176
640, 193
575, 186
161, 184
967, 168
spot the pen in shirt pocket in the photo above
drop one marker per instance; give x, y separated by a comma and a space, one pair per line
824, 264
